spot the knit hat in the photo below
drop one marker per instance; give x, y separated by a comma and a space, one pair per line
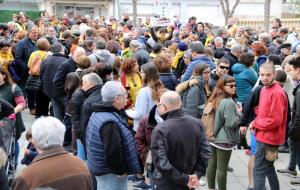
182, 46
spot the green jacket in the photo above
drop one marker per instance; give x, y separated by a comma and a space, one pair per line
227, 120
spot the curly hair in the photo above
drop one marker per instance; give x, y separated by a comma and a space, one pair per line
128, 65
259, 48
162, 63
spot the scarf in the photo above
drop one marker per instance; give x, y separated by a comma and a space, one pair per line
175, 60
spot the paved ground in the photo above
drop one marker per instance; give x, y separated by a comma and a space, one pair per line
237, 180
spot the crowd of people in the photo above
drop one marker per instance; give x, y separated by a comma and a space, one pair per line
161, 106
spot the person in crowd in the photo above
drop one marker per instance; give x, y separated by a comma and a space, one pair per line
72, 82
160, 34
166, 75
198, 52
101, 54
38, 99
48, 70
91, 93
178, 63
244, 76
225, 136
285, 50
20, 22
131, 79
30, 152
156, 50
223, 66
233, 56
218, 48
126, 50
23, 50
189, 136
194, 92
294, 126
266, 39
67, 171
200, 32
148, 95
13, 95
272, 106
284, 34
68, 66
259, 51
111, 150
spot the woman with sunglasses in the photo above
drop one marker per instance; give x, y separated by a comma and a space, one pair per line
245, 76
131, 79
226, 131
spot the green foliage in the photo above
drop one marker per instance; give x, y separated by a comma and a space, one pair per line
6, 15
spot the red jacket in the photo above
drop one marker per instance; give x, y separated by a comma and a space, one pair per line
270, 123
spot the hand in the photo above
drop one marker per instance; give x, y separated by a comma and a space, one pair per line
239, 108
193, 182
27, 152
251, 127
243, 130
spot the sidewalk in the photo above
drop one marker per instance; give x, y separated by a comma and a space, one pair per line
237, 180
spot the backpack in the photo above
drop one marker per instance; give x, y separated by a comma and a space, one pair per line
208, 120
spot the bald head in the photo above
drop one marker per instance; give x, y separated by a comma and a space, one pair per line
171, 100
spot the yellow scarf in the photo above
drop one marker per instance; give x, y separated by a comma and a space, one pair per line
175, 60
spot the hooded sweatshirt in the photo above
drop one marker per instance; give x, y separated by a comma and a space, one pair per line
102, 55
245, 79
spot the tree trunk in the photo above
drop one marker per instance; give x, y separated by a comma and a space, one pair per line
119, 10
267, 14
134, 12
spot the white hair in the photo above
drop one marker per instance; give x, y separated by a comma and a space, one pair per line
265, 37
236, 48
92, 78
218, 39
111, 89
48, 132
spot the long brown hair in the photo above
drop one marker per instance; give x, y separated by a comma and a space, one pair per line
219, 93
152, 80
7, 78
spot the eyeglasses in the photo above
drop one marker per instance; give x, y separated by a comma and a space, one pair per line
231, 85
223, 67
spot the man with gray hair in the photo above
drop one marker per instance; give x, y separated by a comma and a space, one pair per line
91, 91
177, 134
101, 54
198, 55
111, 149
233, 56
66, 171
266, 39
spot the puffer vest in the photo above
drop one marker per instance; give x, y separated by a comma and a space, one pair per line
96, 158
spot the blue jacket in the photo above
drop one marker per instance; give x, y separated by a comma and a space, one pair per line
245, 79
96, 158
197, 60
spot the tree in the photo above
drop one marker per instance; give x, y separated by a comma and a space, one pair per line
134, 11
226, 9
267, 14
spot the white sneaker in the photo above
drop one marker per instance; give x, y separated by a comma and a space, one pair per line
202, 182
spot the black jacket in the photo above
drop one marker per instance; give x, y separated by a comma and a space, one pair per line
5, 109
179, 148
24, 48
232, 60
90, 97
48, 70
295, 122
76, 105
63, 70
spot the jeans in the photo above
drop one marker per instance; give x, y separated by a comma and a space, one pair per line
217, 167
17, 152
264, 168
292, 161
111, 182
151, 177
3, 179
59, 105
80, 150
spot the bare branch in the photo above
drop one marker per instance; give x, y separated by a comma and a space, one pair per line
223, 7
227, 7
234, 7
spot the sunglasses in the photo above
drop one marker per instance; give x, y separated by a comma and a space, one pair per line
223, 67
231, 85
